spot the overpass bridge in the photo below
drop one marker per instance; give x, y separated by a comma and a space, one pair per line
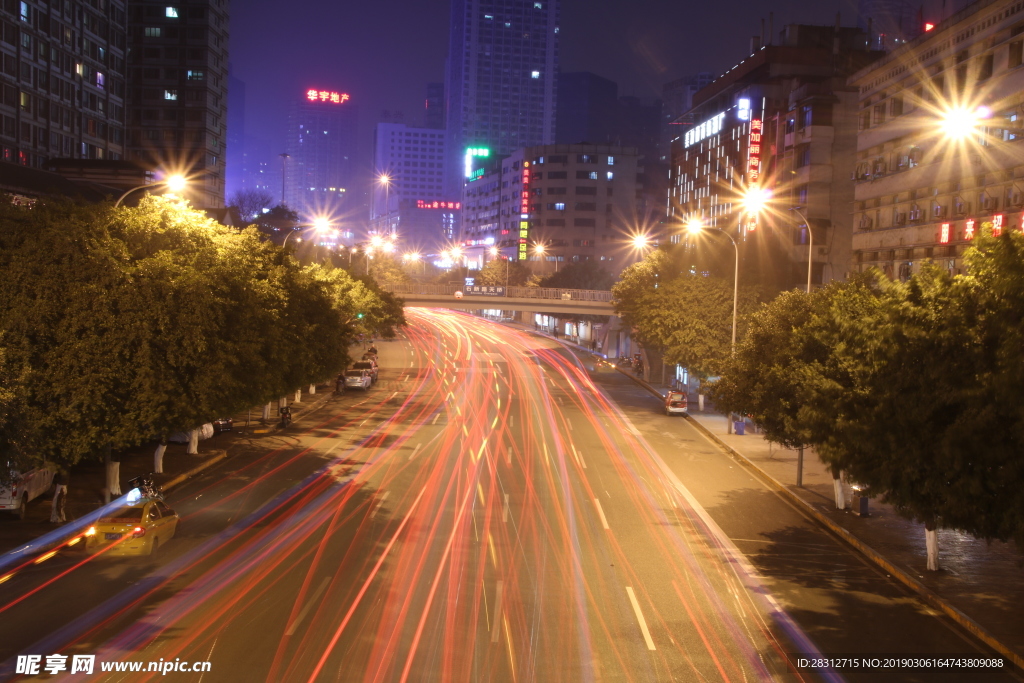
528, 299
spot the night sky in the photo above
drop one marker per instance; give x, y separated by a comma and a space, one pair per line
384, 52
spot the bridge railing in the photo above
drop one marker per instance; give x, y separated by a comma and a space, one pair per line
510, 292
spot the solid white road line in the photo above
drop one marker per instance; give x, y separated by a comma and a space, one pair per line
640, 618
496, 622
380, 502
600, 512
309, 603
416, 450
579, 457
434, 421
504, 510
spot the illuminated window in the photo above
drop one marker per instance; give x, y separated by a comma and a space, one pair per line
535, 74
25, 12
100, 80
538, 5
195, 75
611, 161
170, 94
152, 31
171, 12
611, 175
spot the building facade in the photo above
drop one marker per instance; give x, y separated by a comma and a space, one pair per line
940, 152
782, 120
409, 164
177, 95
500, 82
320, 150
552, 205
63, 77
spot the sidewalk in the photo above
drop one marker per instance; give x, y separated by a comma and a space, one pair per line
979, 585
88, 479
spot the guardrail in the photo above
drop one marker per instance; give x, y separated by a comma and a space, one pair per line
510, 292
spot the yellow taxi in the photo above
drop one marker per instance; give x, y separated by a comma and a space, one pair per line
138, 527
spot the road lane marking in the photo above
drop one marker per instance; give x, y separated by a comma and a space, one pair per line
380, 502
600, 512
496, 622
511, 420
579, 458
559, 399
309, 604
504, 510
434, 421
416, 450
640, 618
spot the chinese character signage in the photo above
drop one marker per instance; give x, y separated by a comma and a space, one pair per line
944, 233
483, 290
428, 204
754, 151
969, 229
326, 96
524, 212
997, 225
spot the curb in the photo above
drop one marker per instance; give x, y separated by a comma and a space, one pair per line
195, 470
933, 599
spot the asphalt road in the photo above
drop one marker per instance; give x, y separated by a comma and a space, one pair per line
485, 513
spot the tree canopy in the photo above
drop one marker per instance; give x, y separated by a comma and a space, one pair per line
120, 325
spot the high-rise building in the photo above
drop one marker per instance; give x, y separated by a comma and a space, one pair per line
676, 100
434, 106
409, 170
63, 81
177, 94
587, 106
321, 146
500, 84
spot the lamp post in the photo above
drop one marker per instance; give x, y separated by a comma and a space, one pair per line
385, 180
320, 224
174, 183
810, 244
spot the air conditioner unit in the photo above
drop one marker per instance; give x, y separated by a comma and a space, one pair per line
939, 211
962, 208
990, 203
915, 215
900, 218
865, 223
1016, 198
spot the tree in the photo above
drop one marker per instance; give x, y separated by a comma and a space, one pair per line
387, 269
501, 272
581, 275
251, 203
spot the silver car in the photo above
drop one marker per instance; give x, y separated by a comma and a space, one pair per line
358, 379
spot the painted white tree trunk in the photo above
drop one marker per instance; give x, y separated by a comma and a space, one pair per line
60, 494
312, 389
158, 459
266, 412
283, 402
298, 395
114, 477
931, 543
193, 442
700, 402
837, 484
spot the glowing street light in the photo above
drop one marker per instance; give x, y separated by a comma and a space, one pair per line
174, 183
641, 241
959, 123
755, 199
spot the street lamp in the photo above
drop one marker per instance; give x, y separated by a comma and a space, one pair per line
959, 123
385, 180
174, 183
320, 224
757, 199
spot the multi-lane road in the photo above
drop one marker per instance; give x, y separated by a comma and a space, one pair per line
494, 509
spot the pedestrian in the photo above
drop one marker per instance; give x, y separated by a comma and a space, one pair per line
60, 496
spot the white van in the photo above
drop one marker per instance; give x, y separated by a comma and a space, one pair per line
20, 488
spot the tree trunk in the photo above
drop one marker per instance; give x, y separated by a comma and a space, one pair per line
60, 496
837, 484
931, 543
266, 413
700, 402
114, 478
158, 457
298, 395
193, 442
282, 403
312, 389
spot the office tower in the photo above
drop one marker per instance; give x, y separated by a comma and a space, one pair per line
320, 149
434, 115
177, 94
63, 81
500, 85
587, 108
412, 162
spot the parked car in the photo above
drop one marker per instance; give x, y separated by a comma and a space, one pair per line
675, 403
358, 379
138, 528
19, 489
224, 424
369, 365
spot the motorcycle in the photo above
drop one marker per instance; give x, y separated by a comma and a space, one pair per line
625, 362
286, 416
144, 483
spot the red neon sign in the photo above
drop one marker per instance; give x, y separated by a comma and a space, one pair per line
969, 229
944, 234
754, 151
327, 96
928, 26
997, 225
428, 204
524, 210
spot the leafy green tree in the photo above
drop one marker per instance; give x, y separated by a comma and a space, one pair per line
387, 269
581, 275
499, 272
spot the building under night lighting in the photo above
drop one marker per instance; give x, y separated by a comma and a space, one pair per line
321, 147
